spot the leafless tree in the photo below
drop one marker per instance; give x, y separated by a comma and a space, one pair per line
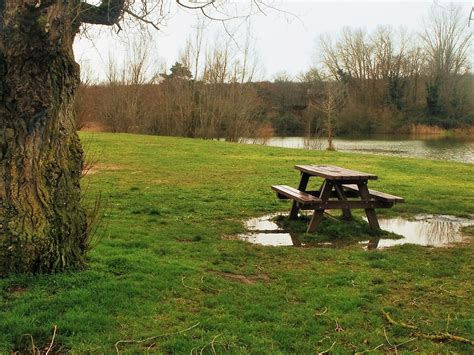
330, 105
447, 43
84, 111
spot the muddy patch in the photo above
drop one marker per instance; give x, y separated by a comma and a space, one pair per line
17, 289
245, 279
100, 167
425, 230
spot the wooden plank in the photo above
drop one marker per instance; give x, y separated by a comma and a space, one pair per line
346, 212
326, 190
369, 212
318, 214
346, 173
358, 174
372, 218
317, 218
296, 241
314, 171
328, 170
335, 173
355, 173
302, 187
295, 194
303, 182
376, 194
317, 193
339, 205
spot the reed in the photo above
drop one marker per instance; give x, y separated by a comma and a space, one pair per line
425, 130
464, 132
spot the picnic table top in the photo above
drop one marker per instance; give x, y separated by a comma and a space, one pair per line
332, 172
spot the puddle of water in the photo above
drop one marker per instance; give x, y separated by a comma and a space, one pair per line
262, 224
426, 230
273, 239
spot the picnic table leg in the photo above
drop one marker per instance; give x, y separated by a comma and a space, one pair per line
318, 215
370, 212
295, 240
346, 212
302, 187
317, 218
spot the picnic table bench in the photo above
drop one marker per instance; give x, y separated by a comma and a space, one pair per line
342, 189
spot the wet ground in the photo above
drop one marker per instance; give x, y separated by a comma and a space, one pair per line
426, 230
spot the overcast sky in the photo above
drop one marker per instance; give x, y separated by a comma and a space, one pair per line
284, 42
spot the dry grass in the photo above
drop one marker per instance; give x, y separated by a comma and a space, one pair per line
425, 130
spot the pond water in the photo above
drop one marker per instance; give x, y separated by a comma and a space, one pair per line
426, 230
455, 149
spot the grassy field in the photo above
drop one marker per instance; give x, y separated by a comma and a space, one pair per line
166, 276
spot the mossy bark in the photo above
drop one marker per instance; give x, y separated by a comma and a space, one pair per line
42, 224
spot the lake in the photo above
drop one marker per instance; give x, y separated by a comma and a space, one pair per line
454, 149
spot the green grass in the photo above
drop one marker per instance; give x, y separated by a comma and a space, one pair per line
165, 263
468, 230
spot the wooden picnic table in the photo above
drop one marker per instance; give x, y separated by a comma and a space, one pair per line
341, 188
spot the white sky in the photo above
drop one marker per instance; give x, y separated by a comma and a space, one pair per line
284, 42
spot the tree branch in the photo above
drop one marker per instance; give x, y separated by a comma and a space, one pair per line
195, 5
142, 19
107, 13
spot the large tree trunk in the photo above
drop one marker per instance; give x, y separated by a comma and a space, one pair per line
43, 227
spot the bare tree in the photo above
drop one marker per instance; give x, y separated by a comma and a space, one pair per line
390, 73
84, 111
447, 41
330, 104
325, 97
447, 47
312, 116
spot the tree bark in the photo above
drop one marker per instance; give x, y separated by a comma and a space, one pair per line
43, 227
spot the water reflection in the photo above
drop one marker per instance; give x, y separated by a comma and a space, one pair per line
426, 230
455, 149
264, 231
450, 149
274, 239
264, 223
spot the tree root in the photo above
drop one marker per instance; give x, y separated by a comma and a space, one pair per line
442, 336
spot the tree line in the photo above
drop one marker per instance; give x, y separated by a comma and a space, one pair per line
214, 98
384, 81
